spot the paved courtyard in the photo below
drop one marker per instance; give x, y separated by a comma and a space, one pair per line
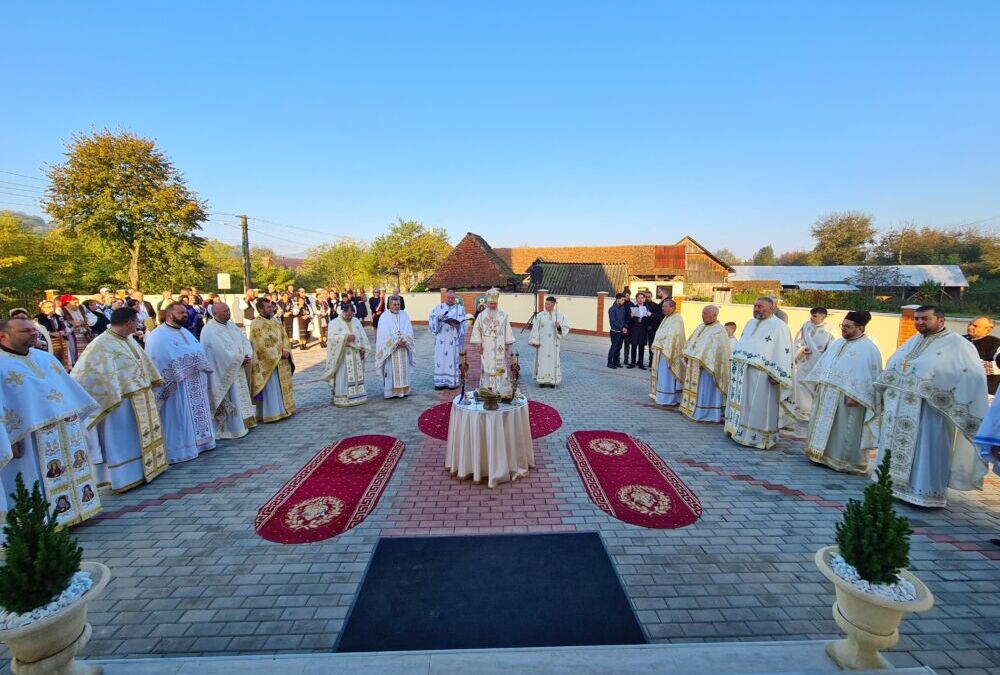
191, 577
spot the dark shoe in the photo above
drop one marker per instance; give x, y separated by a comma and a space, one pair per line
631, 365
438, 388
610, 365
641, 367
995, 542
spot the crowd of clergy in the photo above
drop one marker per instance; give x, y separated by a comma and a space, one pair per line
118, 409
929, 406
134, 400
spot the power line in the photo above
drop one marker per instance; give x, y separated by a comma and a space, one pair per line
21, 175
15, 192
18, 204
23, 186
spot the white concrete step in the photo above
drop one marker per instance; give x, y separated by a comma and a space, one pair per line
709, 658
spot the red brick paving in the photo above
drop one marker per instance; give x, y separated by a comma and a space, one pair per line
432, 502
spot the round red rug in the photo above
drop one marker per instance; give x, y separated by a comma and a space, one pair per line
628, 481
434, 421
332, 493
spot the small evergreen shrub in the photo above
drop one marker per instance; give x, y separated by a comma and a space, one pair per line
872, 537
40, 559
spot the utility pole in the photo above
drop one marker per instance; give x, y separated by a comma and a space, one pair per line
247, 285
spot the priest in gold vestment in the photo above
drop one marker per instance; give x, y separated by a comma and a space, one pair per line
271, 374
666, 375
707, 364
125, 433
347, 346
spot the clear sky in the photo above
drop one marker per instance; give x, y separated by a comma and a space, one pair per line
541, 123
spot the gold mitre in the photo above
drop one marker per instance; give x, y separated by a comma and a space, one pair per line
493, 295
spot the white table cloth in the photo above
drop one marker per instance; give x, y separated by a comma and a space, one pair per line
495, 444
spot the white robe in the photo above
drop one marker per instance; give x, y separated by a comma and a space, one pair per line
345, 362
232, 408
757, 408
548, 338
840, 436
492, 330
394, 353
933, 402
183, 400
814, 338
42, 410
449, 342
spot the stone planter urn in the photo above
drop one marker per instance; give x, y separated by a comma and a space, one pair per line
48, 646
870, 622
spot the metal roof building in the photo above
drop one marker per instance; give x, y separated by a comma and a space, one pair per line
561, 278
838, 277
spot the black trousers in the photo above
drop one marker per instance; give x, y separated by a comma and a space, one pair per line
636, 350
615, 353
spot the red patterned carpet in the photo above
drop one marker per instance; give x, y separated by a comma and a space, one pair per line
627, 480
434, 421
332, 493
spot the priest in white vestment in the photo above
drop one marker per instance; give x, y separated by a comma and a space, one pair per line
125, 433
272, 369
666, 375
347, 346
548, 329
230, 356
394, 350
492, 332
42, 413
933, 402
183, 399
707, 363
760, 388
808, 347
447, 324
846, 410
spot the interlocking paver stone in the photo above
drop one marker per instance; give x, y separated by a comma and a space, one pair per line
191, 576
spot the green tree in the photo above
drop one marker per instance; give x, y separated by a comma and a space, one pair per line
26, 262
795, 258
264, 271
765, 256
728, 257
842, 238
119, 188
409, 251
343, 264
41, 559
922, 245
219, 257
871, 537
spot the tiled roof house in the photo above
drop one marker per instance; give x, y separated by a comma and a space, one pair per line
473, 265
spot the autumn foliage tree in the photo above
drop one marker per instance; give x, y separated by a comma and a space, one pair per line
121, 189
409, 250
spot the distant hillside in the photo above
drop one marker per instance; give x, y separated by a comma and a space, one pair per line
36, 224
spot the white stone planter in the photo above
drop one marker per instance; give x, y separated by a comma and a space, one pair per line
871, 623
48, 646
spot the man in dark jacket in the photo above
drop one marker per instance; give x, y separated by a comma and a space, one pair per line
655, 317
618, 327
638, 327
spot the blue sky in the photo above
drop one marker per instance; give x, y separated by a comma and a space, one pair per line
541, 123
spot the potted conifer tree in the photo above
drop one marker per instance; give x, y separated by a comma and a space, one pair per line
44, 590
873, 589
